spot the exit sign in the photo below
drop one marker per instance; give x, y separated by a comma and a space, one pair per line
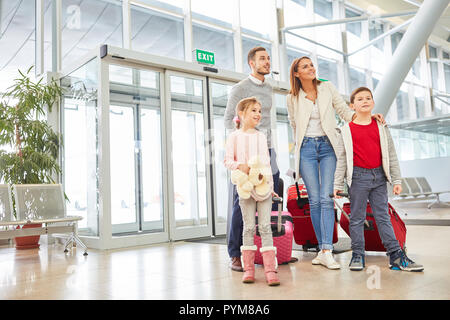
204, 57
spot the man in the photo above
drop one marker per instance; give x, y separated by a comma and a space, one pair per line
259, 61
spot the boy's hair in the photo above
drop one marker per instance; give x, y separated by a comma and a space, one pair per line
243, 105
358, 90
252, 52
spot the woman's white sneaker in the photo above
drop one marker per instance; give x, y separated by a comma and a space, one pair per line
327, 260
316, 260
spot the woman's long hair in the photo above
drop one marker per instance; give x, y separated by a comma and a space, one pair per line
296, 84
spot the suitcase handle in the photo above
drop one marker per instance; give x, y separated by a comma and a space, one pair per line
366, 223
279, 200
300, 206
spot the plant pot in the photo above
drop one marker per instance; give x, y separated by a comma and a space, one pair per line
28, 242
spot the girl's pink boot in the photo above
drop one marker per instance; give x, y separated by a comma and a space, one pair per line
248, 262
270, 265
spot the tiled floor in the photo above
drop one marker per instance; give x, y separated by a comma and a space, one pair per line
185, 270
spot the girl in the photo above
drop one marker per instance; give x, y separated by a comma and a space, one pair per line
242, 145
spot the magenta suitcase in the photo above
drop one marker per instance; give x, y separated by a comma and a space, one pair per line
282, 233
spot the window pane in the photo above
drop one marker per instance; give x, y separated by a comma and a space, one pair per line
419, 97
217, 41
395, 40
256, 15
248, 44
295, 13
432, 51
354, 27
86, 24
434, 75
294, 54
402, 105
447, 77
357, 78
157, 33
80, 146
376, 29
323, 8
17, 34
189, 163
216, 9
170, 5
328, 70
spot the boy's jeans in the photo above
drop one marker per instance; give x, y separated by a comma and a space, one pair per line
317, 166
370, 184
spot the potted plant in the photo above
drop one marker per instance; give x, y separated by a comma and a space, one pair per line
30, 147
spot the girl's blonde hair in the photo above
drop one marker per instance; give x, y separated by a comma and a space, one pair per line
243, 105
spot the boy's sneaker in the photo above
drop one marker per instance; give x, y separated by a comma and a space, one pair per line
399, 261
357, 263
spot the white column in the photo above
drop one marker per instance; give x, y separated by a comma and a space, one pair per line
39, 50
407, 51
56, 35
188, 36
126, 24
237, 36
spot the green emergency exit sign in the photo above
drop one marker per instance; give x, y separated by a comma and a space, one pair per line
204, 57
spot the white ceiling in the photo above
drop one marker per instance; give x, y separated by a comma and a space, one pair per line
441, 31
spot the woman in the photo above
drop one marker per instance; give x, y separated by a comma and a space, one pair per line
311, 107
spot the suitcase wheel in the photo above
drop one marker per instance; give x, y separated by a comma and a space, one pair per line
306, 247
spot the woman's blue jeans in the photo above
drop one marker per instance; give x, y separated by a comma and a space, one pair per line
317, 166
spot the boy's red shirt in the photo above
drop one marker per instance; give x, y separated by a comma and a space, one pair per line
366, 145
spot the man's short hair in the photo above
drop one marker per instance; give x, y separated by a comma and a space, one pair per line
252, 52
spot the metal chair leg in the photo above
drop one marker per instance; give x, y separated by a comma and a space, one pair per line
439, 202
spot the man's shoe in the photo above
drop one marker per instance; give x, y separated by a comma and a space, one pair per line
236, 265
399, 261
357, 263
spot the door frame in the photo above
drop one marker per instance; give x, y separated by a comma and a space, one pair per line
219, 228
195, 231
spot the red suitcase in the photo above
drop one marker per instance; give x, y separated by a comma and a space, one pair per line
298, 206
371, 235
282, 233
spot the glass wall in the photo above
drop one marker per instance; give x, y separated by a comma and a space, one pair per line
80, 157
218, 41
17, 39
157, 33
87, 24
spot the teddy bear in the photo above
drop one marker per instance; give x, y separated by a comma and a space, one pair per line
258, 178
243, 185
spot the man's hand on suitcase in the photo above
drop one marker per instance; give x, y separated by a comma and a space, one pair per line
397, 189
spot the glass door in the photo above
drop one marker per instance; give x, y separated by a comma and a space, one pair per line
189, 179
135, 151
218, 93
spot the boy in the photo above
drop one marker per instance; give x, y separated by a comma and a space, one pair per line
366, 156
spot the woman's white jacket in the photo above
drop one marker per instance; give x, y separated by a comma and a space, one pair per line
329, 102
